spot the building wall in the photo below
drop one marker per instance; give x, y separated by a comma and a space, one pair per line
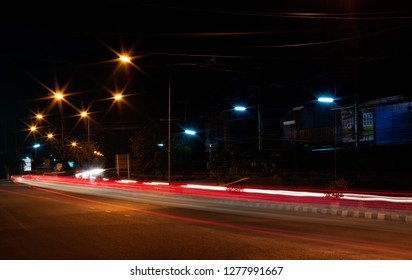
377, 124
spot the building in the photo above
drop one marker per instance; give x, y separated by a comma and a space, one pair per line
370, 140
385, 121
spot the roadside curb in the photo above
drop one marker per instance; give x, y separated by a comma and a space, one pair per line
371, 214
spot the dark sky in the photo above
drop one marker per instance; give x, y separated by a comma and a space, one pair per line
216, 53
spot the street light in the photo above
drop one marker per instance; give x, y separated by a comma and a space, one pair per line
118, 96
35, 147
326, 99
190, 132
128, 60
85, 114
125, 59
329, 100
59, 96
169, 149
240, 108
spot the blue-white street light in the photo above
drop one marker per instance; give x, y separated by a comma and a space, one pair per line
326, 99
240, 108
190, 132
331, 100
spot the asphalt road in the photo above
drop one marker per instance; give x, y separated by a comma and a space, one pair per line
45, 224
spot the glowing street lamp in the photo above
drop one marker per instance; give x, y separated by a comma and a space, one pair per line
330, 100
59, 96
326, 99
35, 147
190, 132
118, 97
125, 59
240, 108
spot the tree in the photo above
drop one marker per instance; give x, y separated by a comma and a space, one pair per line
149, 159
146, 156
84, 154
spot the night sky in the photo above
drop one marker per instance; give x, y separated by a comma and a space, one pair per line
216, 54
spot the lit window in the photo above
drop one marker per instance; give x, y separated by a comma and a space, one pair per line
347, 119
347, 123
367, 119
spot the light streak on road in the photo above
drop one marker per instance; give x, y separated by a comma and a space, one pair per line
156, 183
383, 248
367, 197
127, 181
205, 187
400, 202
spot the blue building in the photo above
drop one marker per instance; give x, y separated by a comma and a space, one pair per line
372, 143
385, 121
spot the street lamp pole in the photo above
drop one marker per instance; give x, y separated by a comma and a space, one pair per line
85, 114
88, 130
331, 100
259, 120
336, 140
126, 59
169, 132
60, 97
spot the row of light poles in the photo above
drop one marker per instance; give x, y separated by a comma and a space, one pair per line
61, 98
36, 128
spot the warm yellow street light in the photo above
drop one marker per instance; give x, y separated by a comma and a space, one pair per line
118, 96
125, 59
58, 95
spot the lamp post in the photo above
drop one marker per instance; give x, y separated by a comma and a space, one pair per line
169, 120
329, 100
126, 59
35, 147
59, 97
85, 114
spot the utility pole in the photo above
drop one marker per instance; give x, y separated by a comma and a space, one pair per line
168, 133
259, 122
